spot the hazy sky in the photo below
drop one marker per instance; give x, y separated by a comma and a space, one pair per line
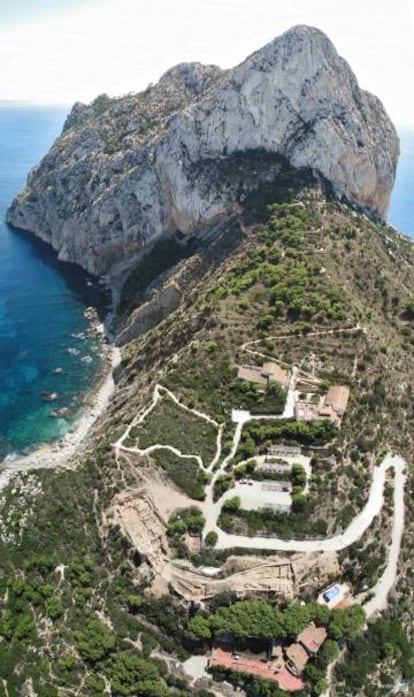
60, 51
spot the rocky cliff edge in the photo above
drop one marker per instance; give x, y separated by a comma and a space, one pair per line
126, 171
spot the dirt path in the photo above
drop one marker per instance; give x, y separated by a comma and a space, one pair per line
352, 533
159, 392
383, 586
357, 527
276, 337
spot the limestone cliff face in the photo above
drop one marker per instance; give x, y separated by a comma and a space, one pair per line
126, 171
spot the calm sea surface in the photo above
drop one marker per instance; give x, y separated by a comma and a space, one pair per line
401, 213
42, 302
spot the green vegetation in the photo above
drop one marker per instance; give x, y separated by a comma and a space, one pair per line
169, 424
101, 103
186, 520
295, 288
385, 644
256, 399
264, 522
132, 675
258, 436
186, 474
249, 621
94, 641
113, 143
211, 538
223, 483
264, 620
81, 649
204, 377
297, 476
232, 505
275, 279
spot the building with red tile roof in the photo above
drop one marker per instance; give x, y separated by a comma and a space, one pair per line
297, 658
267, 670
312, 638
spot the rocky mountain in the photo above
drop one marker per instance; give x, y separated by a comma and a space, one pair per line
176, 157
231, 183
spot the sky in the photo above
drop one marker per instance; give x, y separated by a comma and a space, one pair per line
62, 51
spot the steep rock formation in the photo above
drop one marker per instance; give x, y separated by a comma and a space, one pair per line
126, 171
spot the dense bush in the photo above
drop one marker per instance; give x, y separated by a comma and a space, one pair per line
265, 621
296, 289
384, 640
258, 436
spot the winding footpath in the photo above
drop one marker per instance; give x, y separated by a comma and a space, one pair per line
374, 600
356, 529
159, 393
353, 532
379, 592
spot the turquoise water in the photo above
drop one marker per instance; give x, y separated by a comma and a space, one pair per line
401, 213
42, 303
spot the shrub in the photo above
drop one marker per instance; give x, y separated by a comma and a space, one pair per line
211, 538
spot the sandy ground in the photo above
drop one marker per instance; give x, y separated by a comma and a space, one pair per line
196, 666
61, 452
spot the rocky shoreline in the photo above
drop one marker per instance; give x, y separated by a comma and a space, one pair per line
60, 453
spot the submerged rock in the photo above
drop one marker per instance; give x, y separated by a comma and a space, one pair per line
49, 396
63, 412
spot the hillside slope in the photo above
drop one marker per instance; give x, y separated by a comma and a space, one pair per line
84, 607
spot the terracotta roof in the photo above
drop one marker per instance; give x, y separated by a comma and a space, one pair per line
326, 412
297, 656
276, 373
337, 398
306, 412
289, 682
251, 374
270, 372
313, 637
254, 666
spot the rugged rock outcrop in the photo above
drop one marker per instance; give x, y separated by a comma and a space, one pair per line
126, 171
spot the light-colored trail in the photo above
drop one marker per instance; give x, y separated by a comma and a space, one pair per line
326, 332
378, 594
158, 394
380, 591
353, 532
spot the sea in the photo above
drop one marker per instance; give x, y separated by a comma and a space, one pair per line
401, 213
45, 346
